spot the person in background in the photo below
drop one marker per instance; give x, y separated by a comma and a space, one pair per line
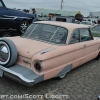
49, 18
34, 14
94, 22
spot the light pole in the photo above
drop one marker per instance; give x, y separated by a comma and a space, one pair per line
62, 1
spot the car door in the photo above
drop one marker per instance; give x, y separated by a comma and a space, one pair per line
4, 21
89, 51
76, 48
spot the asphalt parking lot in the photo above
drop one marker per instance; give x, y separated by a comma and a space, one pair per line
82, 83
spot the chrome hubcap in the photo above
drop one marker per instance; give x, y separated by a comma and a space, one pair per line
4, 53
24, 26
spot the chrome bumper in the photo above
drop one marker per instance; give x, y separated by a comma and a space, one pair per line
21, 74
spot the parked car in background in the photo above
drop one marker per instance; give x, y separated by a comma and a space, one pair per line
14, 19
43, 18
86, 23
63, 19
77, 21
96, 30
46, 50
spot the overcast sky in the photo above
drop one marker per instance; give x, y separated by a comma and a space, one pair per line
85, 6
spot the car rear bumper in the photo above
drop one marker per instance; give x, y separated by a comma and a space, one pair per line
21, 74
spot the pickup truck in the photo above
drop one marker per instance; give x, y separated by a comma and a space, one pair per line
14, 19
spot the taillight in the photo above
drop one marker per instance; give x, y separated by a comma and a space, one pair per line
38, 66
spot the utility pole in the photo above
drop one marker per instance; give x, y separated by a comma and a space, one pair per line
61, 4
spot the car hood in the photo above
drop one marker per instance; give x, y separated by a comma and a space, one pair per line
14, 12
27, 47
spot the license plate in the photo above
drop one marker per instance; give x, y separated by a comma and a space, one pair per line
1, 73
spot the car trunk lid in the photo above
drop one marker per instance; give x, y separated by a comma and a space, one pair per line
28, 47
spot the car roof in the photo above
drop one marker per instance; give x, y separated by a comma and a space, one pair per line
64, 24
86, 21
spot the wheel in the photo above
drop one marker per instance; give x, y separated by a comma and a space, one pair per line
62, 76
23, 26
98, 57
6, 34
8, 52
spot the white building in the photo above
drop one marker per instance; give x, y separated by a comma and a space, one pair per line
94, 14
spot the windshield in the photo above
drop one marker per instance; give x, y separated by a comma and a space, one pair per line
1, 5
48, 33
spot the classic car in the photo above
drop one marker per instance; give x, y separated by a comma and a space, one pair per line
96, 30
87, 23
14, 19
48, 49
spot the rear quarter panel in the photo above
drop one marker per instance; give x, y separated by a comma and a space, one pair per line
59, 58
56, 60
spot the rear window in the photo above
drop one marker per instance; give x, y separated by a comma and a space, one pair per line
61, 19
48, 33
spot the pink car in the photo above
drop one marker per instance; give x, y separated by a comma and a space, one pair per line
48, 49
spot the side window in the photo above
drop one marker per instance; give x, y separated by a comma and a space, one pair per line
85, 35
1, 5
60, 36
61, 19
75, 37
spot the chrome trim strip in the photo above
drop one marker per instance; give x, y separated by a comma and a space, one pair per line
6, 18
16, 74
47, 50
13, 17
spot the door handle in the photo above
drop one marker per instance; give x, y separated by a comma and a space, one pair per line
85, 45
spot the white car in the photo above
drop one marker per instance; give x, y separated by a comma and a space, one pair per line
86, 23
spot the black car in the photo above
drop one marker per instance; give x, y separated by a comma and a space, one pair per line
65, 19
9, 33
14, 19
